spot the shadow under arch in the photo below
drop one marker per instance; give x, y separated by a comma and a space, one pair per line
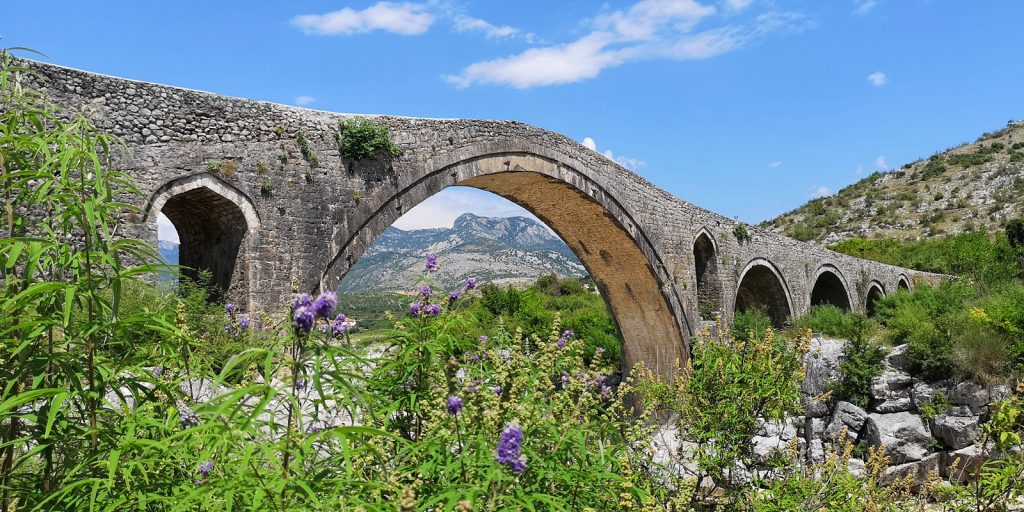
705, 265
623, 263
830, 287
213, 220
762, 286
875, 293
902, 283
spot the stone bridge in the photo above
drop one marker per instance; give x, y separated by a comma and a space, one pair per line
263, 199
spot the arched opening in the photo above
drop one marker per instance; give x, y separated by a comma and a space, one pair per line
709, 286
875, 293
902, 284
762, 287
623, 264
211, 221
829, 289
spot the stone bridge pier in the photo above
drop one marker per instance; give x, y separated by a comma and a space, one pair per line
264, 200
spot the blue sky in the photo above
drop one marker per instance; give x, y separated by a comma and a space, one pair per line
746, 107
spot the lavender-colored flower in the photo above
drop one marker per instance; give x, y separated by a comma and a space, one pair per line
431, 262
470, 283
300, 384
496, 390
302, 300
568, 334
599, 352
230, 329
426, 292
432, 309
230, 309
324, 305
187, 417
205, 468
453, 296
471, 389
509, 451
415, 309
484, 338
454, 405
243, 324
304, 319
315, 427
561, 342
338, 325
565, 380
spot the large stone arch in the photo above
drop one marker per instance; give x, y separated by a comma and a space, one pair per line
762, 286
902, 283
875, 293
706, 271
213, 221
830, 287
612, 246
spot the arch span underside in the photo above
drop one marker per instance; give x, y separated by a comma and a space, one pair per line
875, 293
709, 283
829, 288
763, 288
650, 328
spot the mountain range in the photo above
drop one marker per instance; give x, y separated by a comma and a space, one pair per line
977, 186
511, 250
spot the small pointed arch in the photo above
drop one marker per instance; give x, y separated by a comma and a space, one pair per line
875, 293
830, 287
902, 283
706, 269
212, 219
762, 286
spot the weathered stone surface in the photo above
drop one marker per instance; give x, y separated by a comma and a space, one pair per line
905, 436
821, 369
890, 391
263, 230
783, 429
963, 464
898, 357
849, 417
917, 471
816, 451
956, 431
976, 396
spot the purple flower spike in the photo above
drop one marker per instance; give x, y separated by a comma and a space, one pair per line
454, 405
205, 468
509, 451
324, 305
338, 325
484, 338
415, 309
426, 292
304, 319
302, 300
496, 390
432, 309
568, 334
230, 309
243, 324
470, 283
453, 296
561, 342
471, 389
431, 262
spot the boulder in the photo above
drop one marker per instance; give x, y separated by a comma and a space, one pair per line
904, 435
815, 451
975, 396
821, 366
956, 431
890, 391
898, 358
783, 429
766, 447
963, 464
917, 471
849, 417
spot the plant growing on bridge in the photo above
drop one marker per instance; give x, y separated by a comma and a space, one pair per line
742, 233
307, 152
363, 138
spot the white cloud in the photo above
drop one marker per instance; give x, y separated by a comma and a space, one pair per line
881, 163
738, 5
165, 230
465, 23
441, 209
405, 18
864, 6
821, 191
625, 161
775, 165
878, 79
859, 171
304, 100
650, 29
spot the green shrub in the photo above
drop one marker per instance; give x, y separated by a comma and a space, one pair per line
751, 324
362, 139
741, 233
